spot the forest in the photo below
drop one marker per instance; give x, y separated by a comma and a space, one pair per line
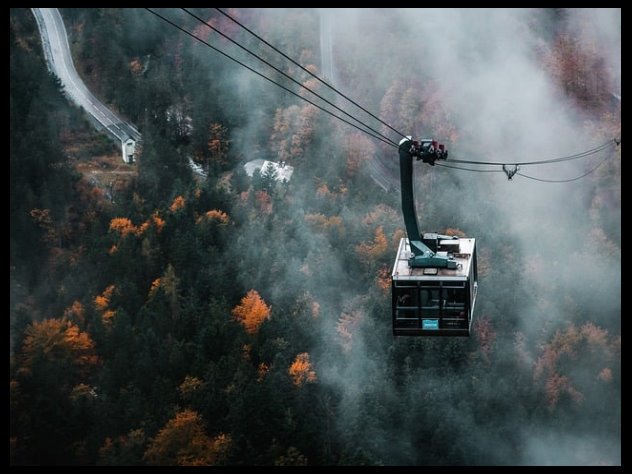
233, 320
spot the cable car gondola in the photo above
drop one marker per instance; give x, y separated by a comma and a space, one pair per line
434, 278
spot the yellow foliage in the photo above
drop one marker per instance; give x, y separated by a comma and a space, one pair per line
183, 442
142, 228
178, 203
158, 222
321, 223
252, 311
102, 301
375, 249
58, 339
301, 370
108, 316
123, 226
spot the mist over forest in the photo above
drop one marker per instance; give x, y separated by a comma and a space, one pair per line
163, 317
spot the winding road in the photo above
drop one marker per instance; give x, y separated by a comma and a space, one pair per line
59, 62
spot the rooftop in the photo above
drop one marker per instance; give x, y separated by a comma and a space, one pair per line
462, 254
283, 171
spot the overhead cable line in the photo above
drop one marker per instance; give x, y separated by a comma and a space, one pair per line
378, 135
564, 180
515, 172
467, 169
388, 142
610, 143
555, 160
283, 73
310, 72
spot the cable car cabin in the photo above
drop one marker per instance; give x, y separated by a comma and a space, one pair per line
435, 301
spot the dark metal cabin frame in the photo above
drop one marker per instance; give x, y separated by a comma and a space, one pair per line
434, 305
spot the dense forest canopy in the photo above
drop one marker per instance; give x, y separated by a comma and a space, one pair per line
229, 320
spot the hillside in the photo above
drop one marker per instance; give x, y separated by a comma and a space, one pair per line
161, 317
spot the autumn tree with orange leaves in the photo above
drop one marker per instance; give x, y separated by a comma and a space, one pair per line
58, 340
177, 204
51, 397
218, 144
183, 442
251, 312
293, 131
102, 302
576, 344
375, 249
123, 226
301, 370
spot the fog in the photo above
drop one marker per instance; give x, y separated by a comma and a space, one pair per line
505, 106
546, 271
161, 347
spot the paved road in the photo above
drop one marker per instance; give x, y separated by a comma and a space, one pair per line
59, 61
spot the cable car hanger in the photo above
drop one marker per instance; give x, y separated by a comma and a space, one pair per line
434, 279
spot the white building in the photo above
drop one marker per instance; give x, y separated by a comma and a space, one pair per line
283, 171
128, 149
